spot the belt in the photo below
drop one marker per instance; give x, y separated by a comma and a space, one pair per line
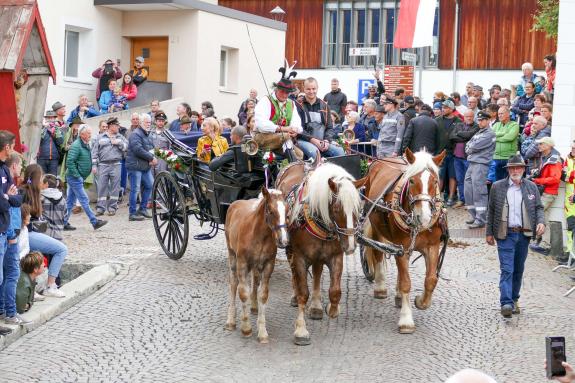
517, 229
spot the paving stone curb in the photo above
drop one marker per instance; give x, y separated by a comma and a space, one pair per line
75, 290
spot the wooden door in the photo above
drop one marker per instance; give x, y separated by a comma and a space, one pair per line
154, 50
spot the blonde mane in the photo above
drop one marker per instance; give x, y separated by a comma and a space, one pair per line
423, 161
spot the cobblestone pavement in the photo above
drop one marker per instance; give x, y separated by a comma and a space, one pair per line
162, 321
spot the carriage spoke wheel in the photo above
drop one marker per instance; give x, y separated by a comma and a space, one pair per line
170, 215
367, 271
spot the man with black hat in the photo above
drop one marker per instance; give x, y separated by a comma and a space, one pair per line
159, 140
277, 120
515, 214
409, 109
479, 150
107, 153
51, 139
391, 130
139, 73
60, 110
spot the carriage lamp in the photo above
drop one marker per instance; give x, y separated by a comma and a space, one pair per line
278, 14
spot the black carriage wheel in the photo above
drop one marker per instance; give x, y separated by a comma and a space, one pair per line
369, 274
170, 215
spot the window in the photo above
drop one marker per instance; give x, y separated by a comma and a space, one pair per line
72, 47
229, 69
223, 68
367, 23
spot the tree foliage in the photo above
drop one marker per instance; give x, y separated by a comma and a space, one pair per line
546, 18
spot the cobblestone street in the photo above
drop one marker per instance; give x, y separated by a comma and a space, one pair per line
163, 321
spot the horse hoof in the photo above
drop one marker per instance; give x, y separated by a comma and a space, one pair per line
230, 326
419, 303
263, 339
302, 340
293, 301
406, 329
247, 333
254, 310
398, 302
328, 309
315, 313
380, 294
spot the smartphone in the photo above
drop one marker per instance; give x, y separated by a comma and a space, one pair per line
555, 351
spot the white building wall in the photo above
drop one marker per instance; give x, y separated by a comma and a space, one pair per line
102, 26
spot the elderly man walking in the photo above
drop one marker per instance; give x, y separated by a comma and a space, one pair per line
79, 166
107, 154
139, 163
515, 214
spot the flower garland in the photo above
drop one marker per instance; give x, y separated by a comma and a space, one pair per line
173, 161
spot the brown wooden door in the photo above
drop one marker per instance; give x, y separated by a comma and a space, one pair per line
155, 53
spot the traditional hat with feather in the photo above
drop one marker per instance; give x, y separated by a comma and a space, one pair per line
285, 82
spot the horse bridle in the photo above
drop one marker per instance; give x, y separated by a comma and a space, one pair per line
274, 228
344, 231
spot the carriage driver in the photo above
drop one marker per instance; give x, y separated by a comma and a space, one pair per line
277, 120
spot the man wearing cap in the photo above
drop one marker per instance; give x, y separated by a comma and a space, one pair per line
51, 139
391, 130
139, 73
479, 150
409, 109
478, 94
506, 133
318, 131
447, 122
159, 140
548, 177
277, 120
374, 91
78, 168
185, 125
107, 153
459, 136
515, 214
60, 121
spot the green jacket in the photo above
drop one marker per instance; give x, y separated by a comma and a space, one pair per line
506, 137
79, 160
24, 293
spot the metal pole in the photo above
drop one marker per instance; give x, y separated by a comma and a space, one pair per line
455, 45
420, 74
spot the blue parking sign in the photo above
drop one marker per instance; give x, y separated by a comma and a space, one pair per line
362, 89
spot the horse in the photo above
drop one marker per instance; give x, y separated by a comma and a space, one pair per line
255, 228
404, 208
324, 211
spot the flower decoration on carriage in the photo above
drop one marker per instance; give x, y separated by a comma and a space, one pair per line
171, 158
268, 158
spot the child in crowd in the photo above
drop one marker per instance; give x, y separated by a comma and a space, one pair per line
118, 101
53, 206
32, 266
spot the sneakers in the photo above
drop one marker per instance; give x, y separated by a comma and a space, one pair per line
99, 213
68, 227
53, 292
477, 225
112, 213
99, 223
507, 311
450, 202
538, 249
136, 217
459, 204
5, 331
516, 308
16, 320
144, 213
38, 297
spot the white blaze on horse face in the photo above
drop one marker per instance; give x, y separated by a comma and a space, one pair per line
425, 206
282, 221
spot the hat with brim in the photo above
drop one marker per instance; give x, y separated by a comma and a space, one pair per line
139, 59
50, 113
57, 105
185, 120
448, 104
160, 115
483, 116
546, 140
379, 109
76, 120
515, 160
285, 85
389, 100
112, 121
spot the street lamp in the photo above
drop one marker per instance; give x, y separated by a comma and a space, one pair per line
278, 14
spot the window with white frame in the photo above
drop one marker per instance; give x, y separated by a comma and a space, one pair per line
78, 54
229, 69
367, 24
223, 68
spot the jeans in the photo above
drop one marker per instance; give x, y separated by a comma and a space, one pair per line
76, 192
310, 150
3, 248
48, 166
146, 180
11, 268
500, 169
49, 246
461, 166
512, 255
124, 177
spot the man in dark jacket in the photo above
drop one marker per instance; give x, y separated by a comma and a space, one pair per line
409, 109
422, 132
318, 132
51, 139
78, 168
459, 137
515, 214
447, 122
139, 164
8, 199
336, 99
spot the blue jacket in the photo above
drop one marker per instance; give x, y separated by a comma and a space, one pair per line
522, 107
104, 101
51, 139
139, 146
6, 203
91, 112
175, 125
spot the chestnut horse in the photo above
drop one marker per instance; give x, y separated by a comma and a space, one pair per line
255, 228
322, 225
404, 208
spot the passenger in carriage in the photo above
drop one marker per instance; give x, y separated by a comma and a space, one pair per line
185, 125
211, 143
237, 136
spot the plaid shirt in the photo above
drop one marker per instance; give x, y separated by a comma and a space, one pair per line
53, 211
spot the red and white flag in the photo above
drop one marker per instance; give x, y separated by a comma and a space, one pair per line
415, 24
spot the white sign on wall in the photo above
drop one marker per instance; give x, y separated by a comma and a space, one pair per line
363, 51
409, 57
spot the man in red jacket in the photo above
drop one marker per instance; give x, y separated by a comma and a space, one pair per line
548, 177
